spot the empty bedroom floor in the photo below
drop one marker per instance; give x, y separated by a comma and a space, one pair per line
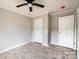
35, 50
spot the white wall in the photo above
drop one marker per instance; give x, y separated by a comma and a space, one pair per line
78, 32
45, 29
14, 29
54, 29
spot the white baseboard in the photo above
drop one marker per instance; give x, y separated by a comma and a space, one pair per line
8, 49
21, 44
62, 45
53, 43
45, 44
41, 43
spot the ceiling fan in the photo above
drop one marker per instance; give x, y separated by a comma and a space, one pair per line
30, 3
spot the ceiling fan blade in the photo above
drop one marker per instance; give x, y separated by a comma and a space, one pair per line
30, 1
21, 5
39, 5
30, 8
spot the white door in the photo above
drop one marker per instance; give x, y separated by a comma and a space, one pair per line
66, 30
38, 30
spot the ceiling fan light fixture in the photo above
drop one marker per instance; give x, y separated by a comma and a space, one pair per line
29, 5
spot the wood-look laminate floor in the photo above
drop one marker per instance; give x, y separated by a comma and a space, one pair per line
37, 51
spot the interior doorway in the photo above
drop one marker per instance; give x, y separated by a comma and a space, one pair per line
37, 30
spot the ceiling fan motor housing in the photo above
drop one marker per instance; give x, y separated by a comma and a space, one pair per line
29, 1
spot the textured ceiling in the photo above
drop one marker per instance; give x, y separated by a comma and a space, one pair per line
52, 6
